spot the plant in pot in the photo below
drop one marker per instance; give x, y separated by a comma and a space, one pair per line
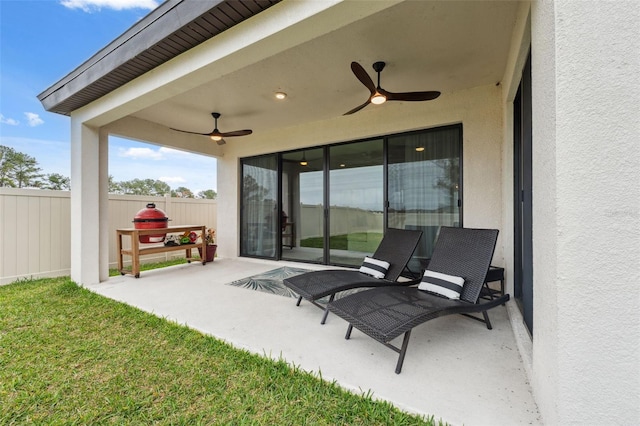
210, 240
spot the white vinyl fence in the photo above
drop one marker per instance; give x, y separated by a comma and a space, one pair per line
35, 228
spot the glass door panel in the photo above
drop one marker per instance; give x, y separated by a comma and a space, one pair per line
259, 218
356, 200
523, 210
302, 222
424, 185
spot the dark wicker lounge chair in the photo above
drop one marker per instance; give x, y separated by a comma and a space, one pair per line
397, 247
388, 312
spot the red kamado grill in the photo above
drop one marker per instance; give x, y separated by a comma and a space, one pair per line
151, 218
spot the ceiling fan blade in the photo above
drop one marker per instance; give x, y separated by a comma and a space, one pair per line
221, 142
236, 133
410, 96
193, 133
362, 75
358, 108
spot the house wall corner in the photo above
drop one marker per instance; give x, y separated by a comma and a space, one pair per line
586, 202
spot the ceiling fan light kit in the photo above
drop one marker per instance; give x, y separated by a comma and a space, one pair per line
378, 95
378, 99
216, 134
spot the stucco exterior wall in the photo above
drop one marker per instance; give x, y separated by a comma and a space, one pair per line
479, 110
586, 339
586, 169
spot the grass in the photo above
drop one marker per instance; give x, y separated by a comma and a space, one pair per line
341, 242
338, 242
149, 266
70, 356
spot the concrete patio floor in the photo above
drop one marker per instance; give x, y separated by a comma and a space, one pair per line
455, 369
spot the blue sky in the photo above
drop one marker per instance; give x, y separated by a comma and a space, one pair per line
41, 41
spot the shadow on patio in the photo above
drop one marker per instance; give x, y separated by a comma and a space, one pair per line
455, 368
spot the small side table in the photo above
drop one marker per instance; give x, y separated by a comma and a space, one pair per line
495, 273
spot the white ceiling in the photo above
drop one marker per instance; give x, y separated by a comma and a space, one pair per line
427, 45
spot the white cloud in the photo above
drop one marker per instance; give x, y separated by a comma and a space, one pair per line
141, 153
174, 152
161, 153
136, 160
33, 119
9, 121
96, 5
172, 179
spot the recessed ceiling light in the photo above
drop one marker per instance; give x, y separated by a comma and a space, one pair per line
420, 148
280, 95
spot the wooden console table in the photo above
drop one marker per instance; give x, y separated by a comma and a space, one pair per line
138, 249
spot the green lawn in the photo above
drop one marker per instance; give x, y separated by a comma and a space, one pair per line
69, 356
149, 266
360, 241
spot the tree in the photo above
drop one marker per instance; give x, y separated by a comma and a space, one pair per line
114, 187
25, 171
56, 182
6, 165
151, 187
253, 191
182, 192
208, 194
160, 188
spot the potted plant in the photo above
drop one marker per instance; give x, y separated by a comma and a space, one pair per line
210, 241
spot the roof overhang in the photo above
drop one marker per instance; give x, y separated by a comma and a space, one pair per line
169, 30
303, 48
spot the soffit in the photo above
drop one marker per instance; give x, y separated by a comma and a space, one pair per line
428, 45
173, 28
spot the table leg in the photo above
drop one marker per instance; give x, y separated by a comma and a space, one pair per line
120, 262
135, 254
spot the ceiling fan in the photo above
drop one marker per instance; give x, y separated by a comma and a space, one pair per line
378, 94
216, 134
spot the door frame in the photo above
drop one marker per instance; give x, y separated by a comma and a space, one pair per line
523, 192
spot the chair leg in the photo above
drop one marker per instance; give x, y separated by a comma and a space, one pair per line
489, 291
299, 300
403, 351
348, 335
486, 320
326, 310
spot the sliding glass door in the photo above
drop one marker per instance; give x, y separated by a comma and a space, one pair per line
356, 200
259, 207
332, 204
303, 205
424, 184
